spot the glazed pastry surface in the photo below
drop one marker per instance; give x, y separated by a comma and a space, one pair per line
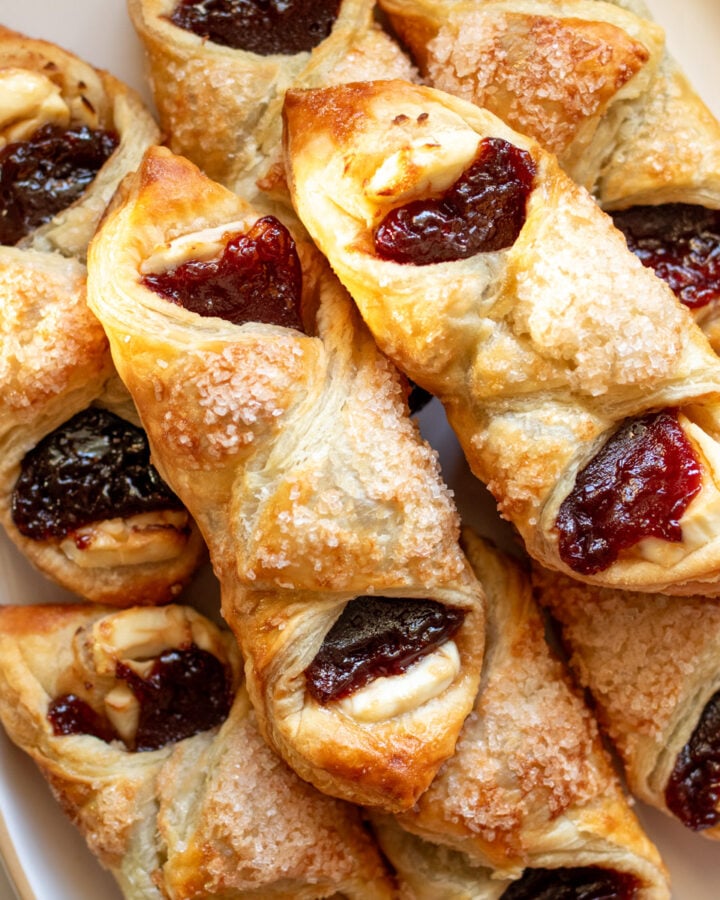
530, 786
652, 665
54, 357
293, 448
213, 814
548, 350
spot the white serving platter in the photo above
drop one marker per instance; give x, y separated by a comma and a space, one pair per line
44, 857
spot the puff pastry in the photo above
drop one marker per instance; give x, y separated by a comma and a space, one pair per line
55, 360
652, 665
529, 805
292, 447
219, 95
594, 83
141, 724
497, 284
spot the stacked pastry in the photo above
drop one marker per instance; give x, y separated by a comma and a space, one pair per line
372, 670
78, 494
582, 392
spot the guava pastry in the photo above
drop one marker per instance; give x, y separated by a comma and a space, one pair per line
594, 83
219, 72
141, 724
652, 666
529, 805
78, 495
567, 369
286, 433
59, 115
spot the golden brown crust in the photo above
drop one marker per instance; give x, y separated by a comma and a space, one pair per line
651, 662
214, 813
531, 350
311, 484
221, 107
529, 785
592, 81
54, 356
551, 70
89, 96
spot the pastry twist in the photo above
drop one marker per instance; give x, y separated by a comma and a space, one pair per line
529, 805
55, 360
218, 85
140, 722
652, 665
497, 284
287, 435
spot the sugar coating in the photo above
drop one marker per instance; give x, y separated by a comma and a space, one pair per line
590, 305
528, 753
542, 75
373, 55
259, 824
47, 332
636, 652
240, 392
354, 492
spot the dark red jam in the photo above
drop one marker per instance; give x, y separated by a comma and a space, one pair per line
693, 790
483, 211
638, 486
582, 883
681, 243
258, 278
69, 714
94, 467
187, 691
45, 174
374, 637
259, 26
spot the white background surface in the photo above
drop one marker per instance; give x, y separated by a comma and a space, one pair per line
46, 857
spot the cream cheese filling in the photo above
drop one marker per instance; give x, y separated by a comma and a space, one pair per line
387, 697
145, 538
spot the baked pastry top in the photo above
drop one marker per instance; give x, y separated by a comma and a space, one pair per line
286, 433
498, 285
78, 495
141, 724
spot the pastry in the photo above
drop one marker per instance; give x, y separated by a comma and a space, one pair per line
219, 72
497, 284
286, 434
652, 666
68, 135
140, 723
529, 805
594, 83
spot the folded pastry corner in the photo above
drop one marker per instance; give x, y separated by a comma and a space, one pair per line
219, 72
285, 432
595, 83
63, 119
529, 805
566, 367
78, 495
140, 723
652, 666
